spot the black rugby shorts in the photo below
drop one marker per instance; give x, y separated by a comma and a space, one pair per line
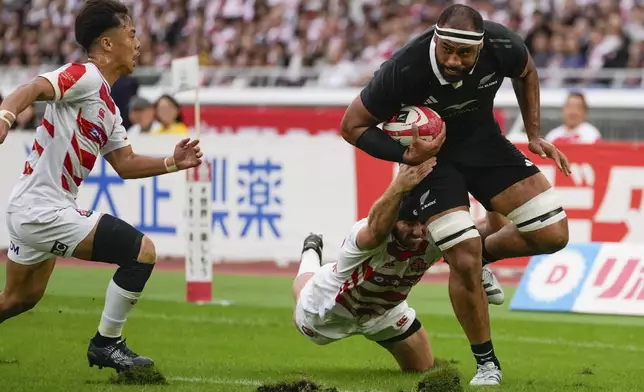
484, 170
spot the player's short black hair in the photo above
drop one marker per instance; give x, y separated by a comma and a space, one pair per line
462, 17
95, 18
581, 96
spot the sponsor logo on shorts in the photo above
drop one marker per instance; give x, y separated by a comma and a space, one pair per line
59, 249
14, 248
403, 320
85, 213
308, 332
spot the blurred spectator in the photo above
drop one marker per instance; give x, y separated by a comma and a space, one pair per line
26, 120
122, 92
168, 114
350, 37
574, 129
142, 116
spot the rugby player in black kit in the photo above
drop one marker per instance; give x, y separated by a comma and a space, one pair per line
456, 68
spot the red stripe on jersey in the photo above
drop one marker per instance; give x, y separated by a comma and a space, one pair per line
48, 126
354, 277
367, 270
75, 145
91, 131
68, 78
68, 164
28, 169
107, 99
87, 159
64, 182
37, 147
77, 180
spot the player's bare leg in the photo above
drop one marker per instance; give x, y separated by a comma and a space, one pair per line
24, 287
309, 263
454, 232
414, 354
114, 241
547, 232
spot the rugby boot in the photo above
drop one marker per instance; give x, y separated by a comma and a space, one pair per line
492, 287
116, 356
314, 241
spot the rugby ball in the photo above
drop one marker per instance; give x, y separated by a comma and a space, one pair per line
429, 124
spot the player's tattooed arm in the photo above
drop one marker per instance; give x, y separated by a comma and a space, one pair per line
526, 89
384, 212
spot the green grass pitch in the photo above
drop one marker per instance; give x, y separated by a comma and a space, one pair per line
238, 347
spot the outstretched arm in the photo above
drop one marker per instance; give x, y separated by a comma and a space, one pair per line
24, 96
384, 212
130, 165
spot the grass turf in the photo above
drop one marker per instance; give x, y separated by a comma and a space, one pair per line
252, 342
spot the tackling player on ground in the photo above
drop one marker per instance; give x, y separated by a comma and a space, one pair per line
365, 291
43, 220
456, 68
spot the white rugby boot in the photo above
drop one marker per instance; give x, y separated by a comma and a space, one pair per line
486, 374
494, 291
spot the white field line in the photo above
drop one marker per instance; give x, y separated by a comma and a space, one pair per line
256, 323
242, 381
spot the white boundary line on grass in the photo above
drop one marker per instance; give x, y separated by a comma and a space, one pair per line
440, 335
242, 381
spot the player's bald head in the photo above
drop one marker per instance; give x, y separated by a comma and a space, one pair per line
461, 17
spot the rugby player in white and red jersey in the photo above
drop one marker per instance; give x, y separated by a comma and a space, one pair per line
365, 291
82, 121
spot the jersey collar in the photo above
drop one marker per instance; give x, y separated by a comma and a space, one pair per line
437, 73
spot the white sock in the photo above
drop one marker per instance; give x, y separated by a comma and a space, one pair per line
118, 303
310, 262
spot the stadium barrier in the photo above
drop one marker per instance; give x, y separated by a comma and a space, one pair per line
598, 278
269, 191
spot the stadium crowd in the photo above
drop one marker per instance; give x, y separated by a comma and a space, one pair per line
335, 34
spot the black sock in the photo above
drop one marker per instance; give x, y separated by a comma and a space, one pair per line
102, 341
484, 352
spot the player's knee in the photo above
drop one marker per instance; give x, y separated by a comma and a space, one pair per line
542, 221
550, 239
465, 261
147, 253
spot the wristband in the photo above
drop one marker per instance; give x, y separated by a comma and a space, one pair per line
172, 168
378, 144
3, 114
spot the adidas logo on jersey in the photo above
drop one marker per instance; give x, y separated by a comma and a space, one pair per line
431, 100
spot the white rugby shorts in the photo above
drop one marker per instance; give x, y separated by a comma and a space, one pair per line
40, 233
332, 327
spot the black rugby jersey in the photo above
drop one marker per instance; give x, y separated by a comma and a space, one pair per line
411, 77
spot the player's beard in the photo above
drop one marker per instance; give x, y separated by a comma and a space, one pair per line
459, 72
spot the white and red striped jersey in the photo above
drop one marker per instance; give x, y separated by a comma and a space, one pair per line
80, 123
365, 284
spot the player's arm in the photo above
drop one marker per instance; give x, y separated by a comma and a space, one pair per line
24, 96
379, 101
384, 212
527, 91
128, 164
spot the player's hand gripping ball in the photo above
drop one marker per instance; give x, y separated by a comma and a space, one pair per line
429, 124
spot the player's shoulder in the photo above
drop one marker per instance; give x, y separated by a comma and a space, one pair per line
500, 38
87, 74
414, 55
